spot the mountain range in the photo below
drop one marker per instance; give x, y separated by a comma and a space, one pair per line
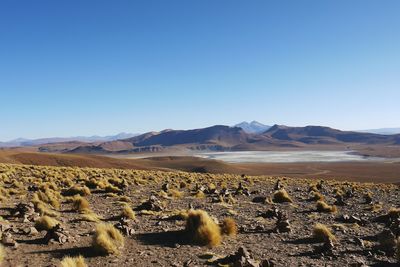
226, 138
85, 139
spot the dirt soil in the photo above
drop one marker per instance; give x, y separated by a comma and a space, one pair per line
159, 238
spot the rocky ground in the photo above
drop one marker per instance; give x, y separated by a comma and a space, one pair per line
270, 232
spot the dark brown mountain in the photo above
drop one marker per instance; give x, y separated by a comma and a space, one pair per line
326, 135
225, 138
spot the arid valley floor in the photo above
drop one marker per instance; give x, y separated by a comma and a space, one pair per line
180, 219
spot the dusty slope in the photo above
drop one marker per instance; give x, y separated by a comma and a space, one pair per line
353, 171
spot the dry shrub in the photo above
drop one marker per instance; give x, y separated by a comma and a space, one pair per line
127, 212
80, 204
45, 223
107, 239
323, 207
317, 196
281, 196
2, 254
125, 199
73, 262
175, 193
322, 233
394, 213
44, 209
229, 227
202, 229
111, 189
200, 194
90, 216
77, 190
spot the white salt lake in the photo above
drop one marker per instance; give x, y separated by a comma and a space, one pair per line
286, 156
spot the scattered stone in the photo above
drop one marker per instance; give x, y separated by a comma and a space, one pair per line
345, 218
282, 224
8, 240
278, 185
242, 258
57, 235
387, 241
124, 227
271, 213
259, 199
25, 211
340, 201
152, 204
30, 230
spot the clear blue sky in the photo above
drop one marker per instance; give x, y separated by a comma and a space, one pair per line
101, 67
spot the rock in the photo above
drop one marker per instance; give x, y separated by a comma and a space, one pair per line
259, 199
57, 235
340, 201
152, 204
271, 213
282, 224
124, 227
242, 258
278, 185
351, 219
8, 240
30, 230
387, 241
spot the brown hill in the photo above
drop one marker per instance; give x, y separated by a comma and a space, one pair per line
225, 138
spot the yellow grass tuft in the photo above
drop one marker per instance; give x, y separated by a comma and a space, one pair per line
77, 190
394, 213
317, 196
80, 204
175, 193
107, 239
45, 223
201, 228
73, 262
127, 212
229, 227
2, 254
281, 196
322, 233
323, 207
90, 216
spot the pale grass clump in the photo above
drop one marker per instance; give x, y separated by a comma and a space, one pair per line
112, 189
127, 212
80, 204
45, 223
202, 229
324, 207
281, 196
107, 239
2, 254
175, 193
317, 196
200, 194
322, 233
73, 262
90, 216
77, 190
43, 209
229, 227
394, 213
